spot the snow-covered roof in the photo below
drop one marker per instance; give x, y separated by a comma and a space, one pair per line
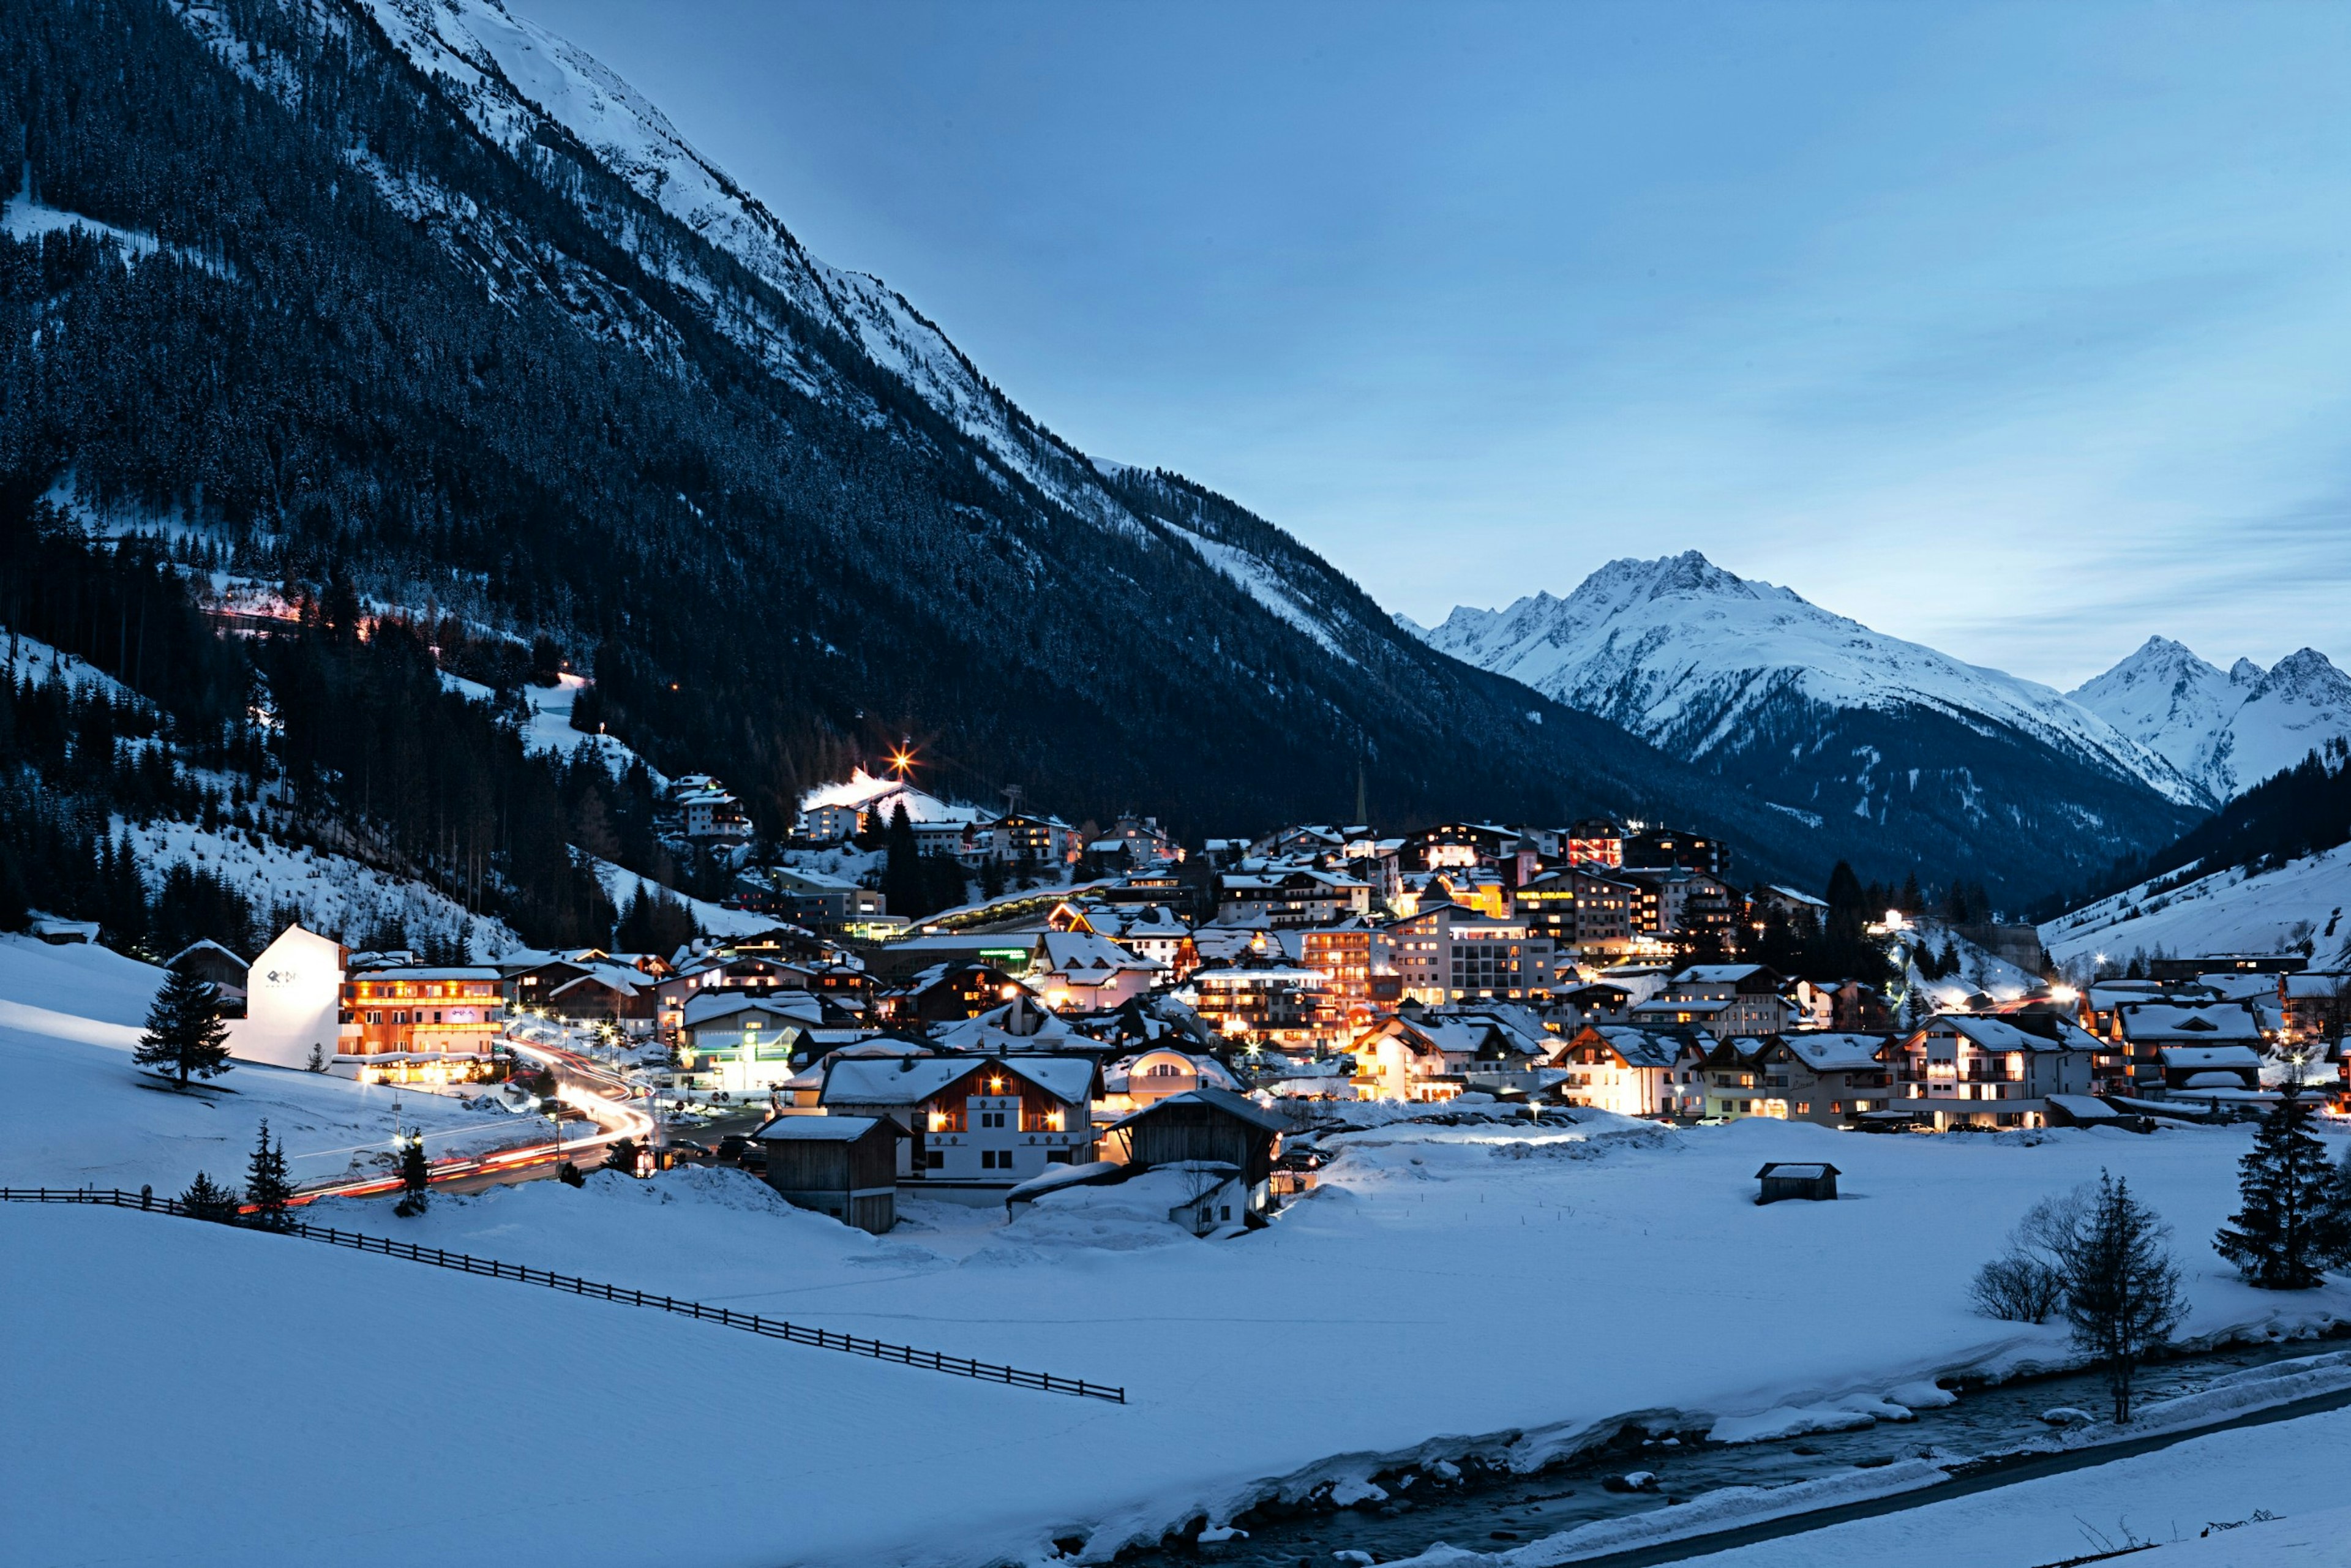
797, 1007
2190, 1022
2189, 1058
820, 1129
913, 1079
1998, 1034
1234, 1105
1073, 951
1661, 1006
1778, 1171
418, 972
1717, 974
1835, 1052
1639, 1046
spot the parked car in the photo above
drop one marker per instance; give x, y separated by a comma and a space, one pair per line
733, 1147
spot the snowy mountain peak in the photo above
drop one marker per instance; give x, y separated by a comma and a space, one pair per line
2227, 732
1691, 656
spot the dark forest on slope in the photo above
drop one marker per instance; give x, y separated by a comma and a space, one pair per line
517, 422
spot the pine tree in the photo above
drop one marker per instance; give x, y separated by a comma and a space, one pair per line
2292, 1225
2122, 1289
266, 1187
184, 1032
207, 1199
416, 1180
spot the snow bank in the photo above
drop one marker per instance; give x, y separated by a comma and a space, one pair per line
1729, 1508
2174, 1496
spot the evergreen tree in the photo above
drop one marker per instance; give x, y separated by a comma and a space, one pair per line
317, 1061
991, 877
416, 1180
207, 1199
1911, 901
266, 1187
184, 1032
2122, 1289
903, 882
2292, 1225
569, 1175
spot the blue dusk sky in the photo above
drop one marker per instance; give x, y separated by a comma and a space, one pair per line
2022, 330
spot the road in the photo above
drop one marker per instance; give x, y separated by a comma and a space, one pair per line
596, 1091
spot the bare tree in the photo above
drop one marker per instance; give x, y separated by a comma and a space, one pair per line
2027, 1282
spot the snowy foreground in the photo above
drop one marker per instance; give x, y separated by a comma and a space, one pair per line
1447, 1289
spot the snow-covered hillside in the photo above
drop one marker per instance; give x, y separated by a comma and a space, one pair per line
2225, 731
73, 1111
2232, 911
323, 890
1687, 656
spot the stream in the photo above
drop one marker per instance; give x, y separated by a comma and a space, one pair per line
1495, 1511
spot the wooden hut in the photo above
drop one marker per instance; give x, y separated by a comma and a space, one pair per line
1214, 1125
1814, 1181
842, 1165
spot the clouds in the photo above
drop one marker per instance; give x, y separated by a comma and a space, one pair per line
2020, 331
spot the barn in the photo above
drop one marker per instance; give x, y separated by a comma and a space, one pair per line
846, 1166
1212, 1125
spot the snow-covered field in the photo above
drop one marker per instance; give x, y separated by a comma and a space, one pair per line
2228, 912
74, 1111
1484, 1287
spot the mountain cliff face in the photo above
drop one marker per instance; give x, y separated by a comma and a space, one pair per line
2226, 731
1818, 716
417, 298
414, 295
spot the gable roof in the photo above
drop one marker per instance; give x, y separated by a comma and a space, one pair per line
1234, 1105
823, 1129
910, 1080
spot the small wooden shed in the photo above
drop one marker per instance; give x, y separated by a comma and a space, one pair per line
846, 1166
1209, 1125
1814, 1181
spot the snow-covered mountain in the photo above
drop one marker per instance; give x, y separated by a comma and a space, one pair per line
2238, 909
1687, 655
2225, 731
1825, 718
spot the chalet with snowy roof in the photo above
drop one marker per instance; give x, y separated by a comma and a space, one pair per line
1042, 841
945, 992
1290, 898
208, 960
1155, 932
1150, 1076
1090, 973
743, 1043
864, 804
2149, 1027
1265, 1002
751, 973
1021, 1024
1829, 1077
1631, 1071
1434, 1056
1752, 996
818, 895
980, 1126
2193, 1069
846, 1166
711, 814
1963, 1069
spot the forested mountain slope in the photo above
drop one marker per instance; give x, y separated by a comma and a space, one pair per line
417, 294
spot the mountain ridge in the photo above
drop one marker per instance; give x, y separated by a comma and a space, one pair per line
2227, 730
